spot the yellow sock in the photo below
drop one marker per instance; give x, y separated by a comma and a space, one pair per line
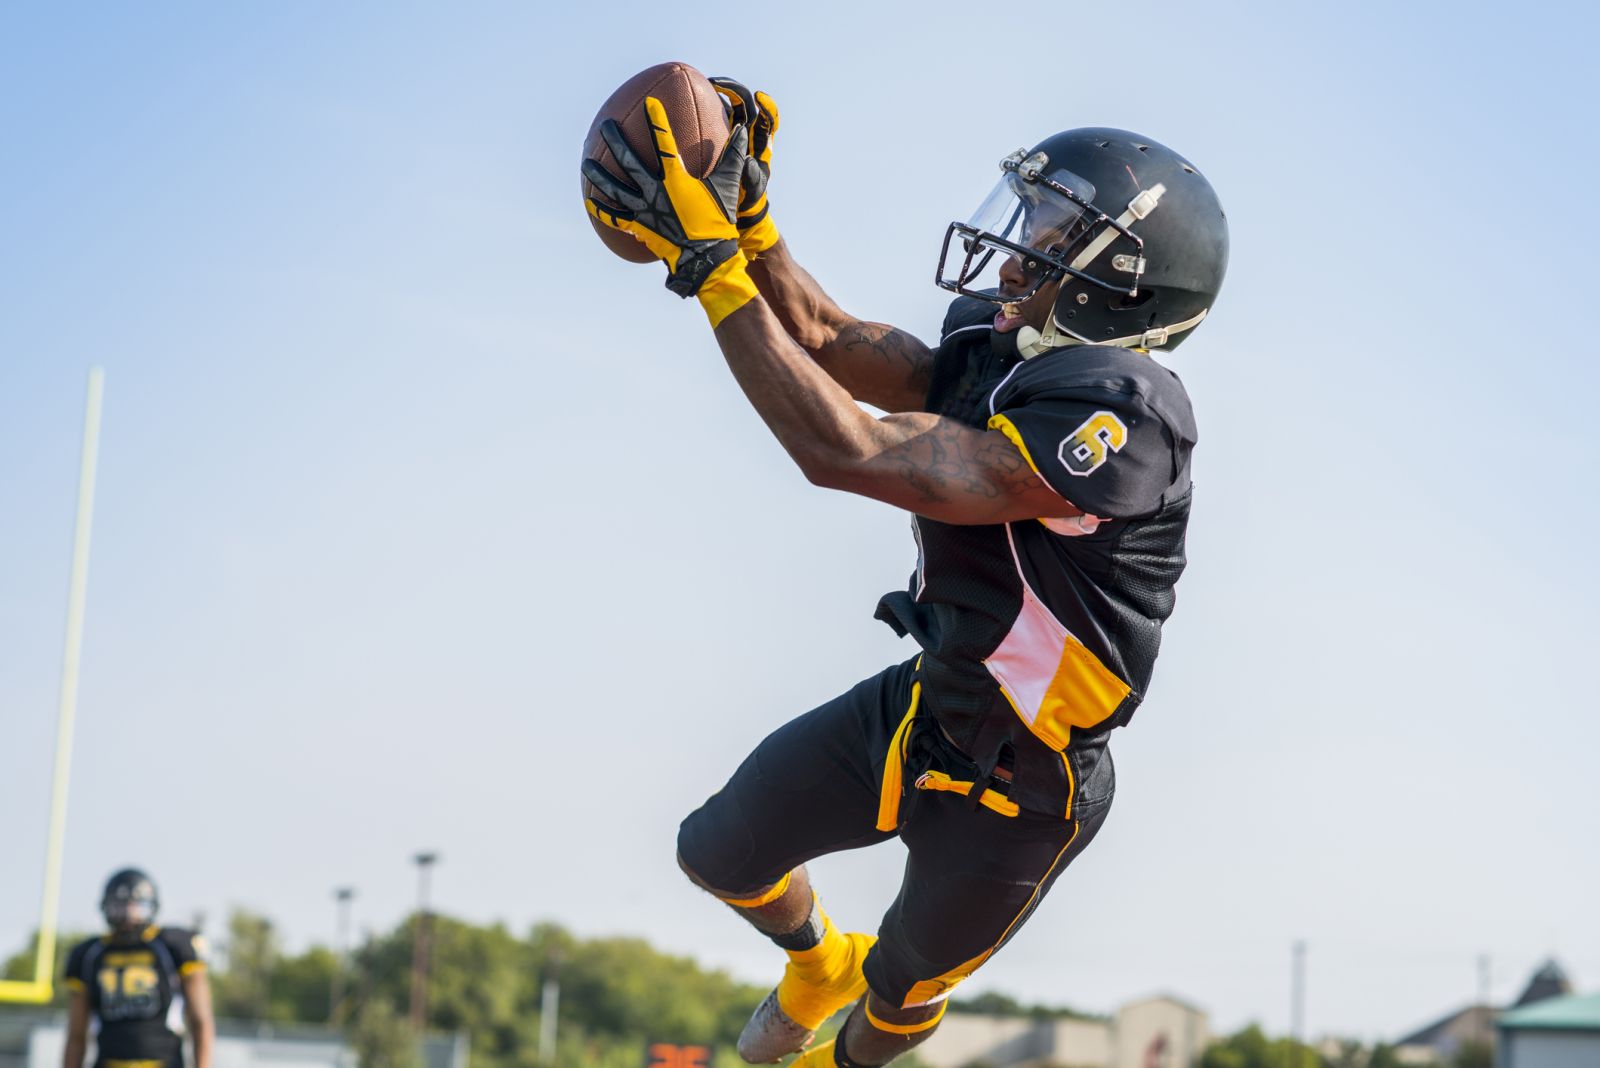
818, 1056
819, 981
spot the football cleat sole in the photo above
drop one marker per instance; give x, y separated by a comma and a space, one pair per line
770, 1035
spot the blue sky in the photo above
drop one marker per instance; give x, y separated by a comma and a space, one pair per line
424, 522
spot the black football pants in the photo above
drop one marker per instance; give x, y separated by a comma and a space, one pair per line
816, 785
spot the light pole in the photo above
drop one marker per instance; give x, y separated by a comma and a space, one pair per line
420, 937
342, 895
549, 1008
1297, 998
1485, 1014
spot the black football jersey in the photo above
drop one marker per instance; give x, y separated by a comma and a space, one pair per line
1040, 635
135, 990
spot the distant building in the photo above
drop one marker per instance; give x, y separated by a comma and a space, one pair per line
1158, 1032
1558, 1032
1441, 1040
1548, 982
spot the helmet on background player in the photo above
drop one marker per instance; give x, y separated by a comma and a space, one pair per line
1133, 231
130, 900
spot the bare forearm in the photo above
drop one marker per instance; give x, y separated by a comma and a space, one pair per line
198, 1015
918, 461
204, 1039
807, 313
77, 1025
874, 362
812, 416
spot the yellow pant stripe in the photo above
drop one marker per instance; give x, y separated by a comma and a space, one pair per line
905, 1029
894, 767
764, 898
929, 989
1072, 785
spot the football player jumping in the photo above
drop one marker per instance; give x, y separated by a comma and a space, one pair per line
134, 980
1044, 457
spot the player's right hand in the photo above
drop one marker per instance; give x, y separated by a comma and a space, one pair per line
759, 114
687, 222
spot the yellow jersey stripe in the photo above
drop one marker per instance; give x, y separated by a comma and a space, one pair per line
1009, 429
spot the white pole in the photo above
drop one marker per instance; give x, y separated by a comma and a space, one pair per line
66, 712
549, 1006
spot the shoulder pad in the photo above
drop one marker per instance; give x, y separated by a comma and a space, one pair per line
76, 957
186, 946
1103, 367
1115, 377
964, 312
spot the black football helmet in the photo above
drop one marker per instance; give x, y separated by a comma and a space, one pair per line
130, 899
1133, 230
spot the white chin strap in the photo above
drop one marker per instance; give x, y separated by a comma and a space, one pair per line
1031, 342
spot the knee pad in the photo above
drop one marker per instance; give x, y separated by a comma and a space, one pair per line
715, 845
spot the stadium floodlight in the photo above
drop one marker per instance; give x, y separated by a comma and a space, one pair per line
40, 989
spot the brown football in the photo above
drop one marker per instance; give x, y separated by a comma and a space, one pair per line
699, 125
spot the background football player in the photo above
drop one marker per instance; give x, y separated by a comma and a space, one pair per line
1044, 456
144, 985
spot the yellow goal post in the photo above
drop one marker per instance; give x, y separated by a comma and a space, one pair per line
40, 989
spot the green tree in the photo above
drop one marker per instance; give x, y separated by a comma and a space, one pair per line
482, 980
1251, 1048
1473, 1055
1384, 1056
995, 1004
990, 1003
242, 989
382, 1039
1243, 1049
299, 988
1350, 1054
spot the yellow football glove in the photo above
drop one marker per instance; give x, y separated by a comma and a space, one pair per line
685, 221
757, 232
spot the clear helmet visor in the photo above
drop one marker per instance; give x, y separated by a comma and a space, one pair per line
1032, 213
1017, 217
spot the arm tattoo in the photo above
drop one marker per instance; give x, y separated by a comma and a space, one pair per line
950, 460
890, 355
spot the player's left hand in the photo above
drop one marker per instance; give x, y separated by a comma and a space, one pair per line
759, 113
686, 221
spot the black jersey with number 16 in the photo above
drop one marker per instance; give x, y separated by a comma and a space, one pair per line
135, 987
